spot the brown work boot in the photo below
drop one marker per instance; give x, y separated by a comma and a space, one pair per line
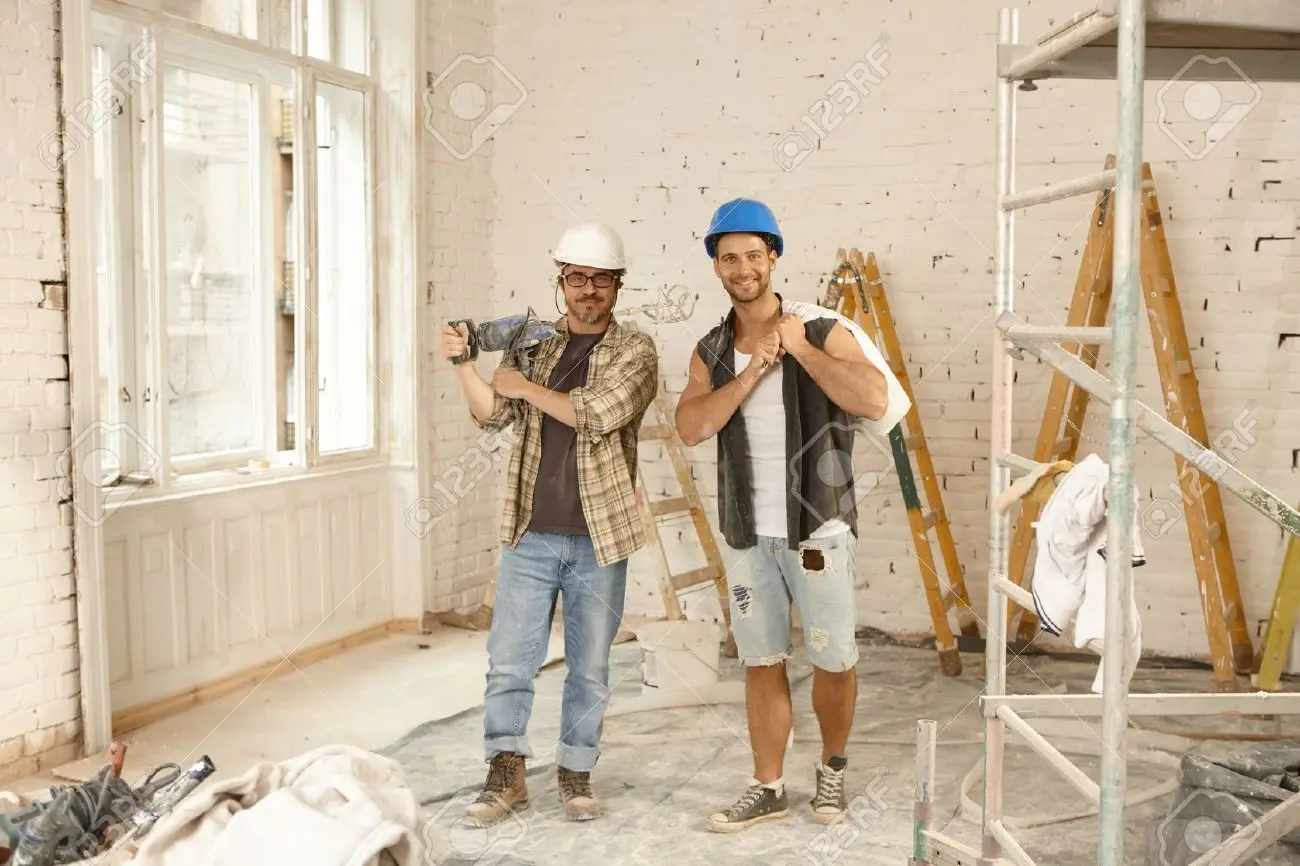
575, 793
506, 790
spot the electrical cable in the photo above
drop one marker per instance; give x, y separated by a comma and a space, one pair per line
95, 806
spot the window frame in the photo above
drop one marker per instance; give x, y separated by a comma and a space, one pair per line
369, 114
137, 212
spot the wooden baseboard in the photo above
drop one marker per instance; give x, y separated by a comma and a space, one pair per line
408, 625
140, 715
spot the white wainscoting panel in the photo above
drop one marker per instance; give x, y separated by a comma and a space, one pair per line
209, 586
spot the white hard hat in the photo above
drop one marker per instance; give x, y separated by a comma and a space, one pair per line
593, 245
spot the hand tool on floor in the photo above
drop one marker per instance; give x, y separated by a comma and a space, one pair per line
169, 795
87, 820
42, 834
514, 335
12, 823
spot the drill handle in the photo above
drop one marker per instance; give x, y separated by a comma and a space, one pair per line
466, 327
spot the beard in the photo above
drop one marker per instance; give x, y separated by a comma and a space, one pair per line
750, 291
589, 310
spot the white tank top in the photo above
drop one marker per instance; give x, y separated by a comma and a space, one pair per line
764, 412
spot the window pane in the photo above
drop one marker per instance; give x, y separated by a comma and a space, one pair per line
286, 315
110, 387
346, 375
282, 23
233, 16
352, 34
213, 385
339, 31
319, 24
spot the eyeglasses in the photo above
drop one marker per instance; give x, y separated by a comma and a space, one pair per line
601, 281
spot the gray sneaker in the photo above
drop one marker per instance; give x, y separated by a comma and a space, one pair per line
828, 803
758, 803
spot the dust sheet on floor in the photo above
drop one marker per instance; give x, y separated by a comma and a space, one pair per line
663, 772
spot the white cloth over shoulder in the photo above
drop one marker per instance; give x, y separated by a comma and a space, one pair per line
334, 806
1070, 566
899, 404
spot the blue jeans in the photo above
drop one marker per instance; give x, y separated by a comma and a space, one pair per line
818, 578
529, 578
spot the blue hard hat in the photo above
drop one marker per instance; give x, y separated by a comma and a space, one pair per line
743, 215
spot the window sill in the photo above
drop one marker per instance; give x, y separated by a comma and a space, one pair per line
237, 481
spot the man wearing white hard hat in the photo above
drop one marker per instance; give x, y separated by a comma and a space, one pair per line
570, 519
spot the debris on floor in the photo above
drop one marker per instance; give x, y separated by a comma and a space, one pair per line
663, 772
1223, 788
103, 818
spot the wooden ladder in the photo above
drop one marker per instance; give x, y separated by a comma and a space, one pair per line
1067, 403
663, 430
1231, 651
1281, 622
858, 293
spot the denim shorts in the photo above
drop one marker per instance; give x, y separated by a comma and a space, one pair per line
818, 579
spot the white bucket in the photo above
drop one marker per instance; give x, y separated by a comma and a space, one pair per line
680, 654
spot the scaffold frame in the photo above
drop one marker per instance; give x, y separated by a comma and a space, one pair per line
1115, 39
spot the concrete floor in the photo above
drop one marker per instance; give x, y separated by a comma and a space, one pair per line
661, 773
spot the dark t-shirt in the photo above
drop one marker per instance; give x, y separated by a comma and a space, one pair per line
557, 504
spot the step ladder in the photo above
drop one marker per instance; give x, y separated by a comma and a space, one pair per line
857, 292
1231, 651
1067, 403
1281, 622
662, 429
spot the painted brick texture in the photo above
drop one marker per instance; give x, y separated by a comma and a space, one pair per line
39, 684
650, 118
459, 206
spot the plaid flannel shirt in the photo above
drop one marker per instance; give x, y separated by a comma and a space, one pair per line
622, 380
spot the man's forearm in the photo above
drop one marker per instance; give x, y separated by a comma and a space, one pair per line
703, 416
478, 393
554, 403
857, 388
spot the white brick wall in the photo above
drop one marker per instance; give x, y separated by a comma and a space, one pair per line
649, 121
459, 208
39, 685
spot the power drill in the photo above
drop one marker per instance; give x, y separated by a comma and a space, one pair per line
514, 335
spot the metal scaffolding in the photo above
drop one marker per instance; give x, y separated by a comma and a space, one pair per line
1120, 39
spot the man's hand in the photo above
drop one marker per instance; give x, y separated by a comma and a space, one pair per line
790, 328
509, 383
767, 353
453, 342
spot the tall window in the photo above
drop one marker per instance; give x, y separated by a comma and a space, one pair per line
234, 187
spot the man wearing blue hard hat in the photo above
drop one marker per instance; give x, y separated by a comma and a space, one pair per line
783, 385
